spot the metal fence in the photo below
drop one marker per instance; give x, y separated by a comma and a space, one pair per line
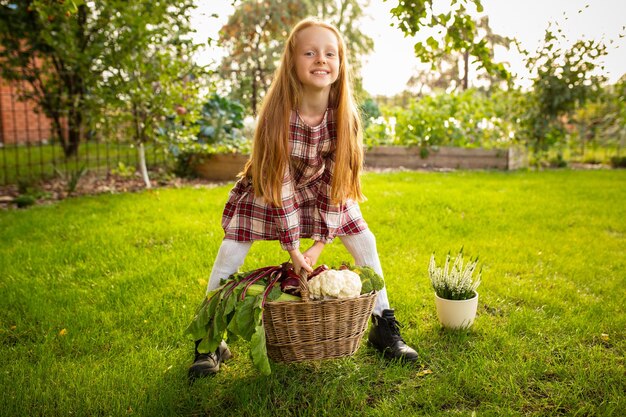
29, 149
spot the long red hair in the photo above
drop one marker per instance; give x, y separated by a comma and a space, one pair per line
270, 148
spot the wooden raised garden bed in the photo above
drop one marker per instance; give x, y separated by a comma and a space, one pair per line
220, 167
225, 167
381, 157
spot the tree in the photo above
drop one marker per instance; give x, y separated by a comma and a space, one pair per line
448, 75
493, 39
55, 48
254, 38
151, 75
460, 33
565, 80
93, 63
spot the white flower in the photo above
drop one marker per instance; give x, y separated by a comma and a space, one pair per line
454, 281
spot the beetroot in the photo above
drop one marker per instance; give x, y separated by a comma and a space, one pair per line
318, 271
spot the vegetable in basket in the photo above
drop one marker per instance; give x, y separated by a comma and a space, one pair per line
235, 309
335, 284
370, 280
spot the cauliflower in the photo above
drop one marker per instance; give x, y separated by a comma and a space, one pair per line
370, 280
335, 284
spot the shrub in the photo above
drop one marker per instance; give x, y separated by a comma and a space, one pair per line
469, 119
219, 130
618, 162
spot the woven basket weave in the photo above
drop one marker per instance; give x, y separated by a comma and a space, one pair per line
309, 330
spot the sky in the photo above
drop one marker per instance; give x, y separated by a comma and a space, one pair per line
387, 70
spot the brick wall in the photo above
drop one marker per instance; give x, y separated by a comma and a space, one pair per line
19, 121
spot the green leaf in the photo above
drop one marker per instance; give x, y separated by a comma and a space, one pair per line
258, 351
209, 342
274, 293
432, 42
230, 301
245, 318
198, 326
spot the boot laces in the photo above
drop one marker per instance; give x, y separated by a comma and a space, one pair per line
394, 326
207, 356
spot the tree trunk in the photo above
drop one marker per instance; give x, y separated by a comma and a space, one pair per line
465, 70
75, 132
142, 165
254, 92
58, 128
138, 118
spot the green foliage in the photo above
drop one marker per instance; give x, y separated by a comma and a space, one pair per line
29, 192
618, 162
601, 122
219, 126
113, 67
369, 111
378, 132
460, 32
565, 80
24, 200
467, 119
123, 170
65, 40
235, 310
71, 177
221, 121
254, 37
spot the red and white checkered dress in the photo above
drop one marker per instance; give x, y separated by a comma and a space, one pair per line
307, 211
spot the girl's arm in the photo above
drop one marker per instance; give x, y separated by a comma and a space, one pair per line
312, 254
299, 262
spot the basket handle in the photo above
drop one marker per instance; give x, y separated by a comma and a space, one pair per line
304, 287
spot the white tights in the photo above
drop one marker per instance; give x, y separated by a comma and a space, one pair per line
362, 247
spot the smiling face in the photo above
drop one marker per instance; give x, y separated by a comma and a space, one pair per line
317, 58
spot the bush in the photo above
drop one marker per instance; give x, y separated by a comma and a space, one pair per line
220, 130
369, 112
618, 162
469, 119
379, 132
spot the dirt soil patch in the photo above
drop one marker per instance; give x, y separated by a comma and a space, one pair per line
50, 191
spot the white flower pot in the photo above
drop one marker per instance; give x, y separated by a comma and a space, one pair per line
456, 314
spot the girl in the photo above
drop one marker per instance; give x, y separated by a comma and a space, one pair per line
302, 180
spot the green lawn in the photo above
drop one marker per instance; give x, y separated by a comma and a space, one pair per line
96, 293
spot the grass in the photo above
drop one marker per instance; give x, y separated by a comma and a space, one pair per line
37, 161
96, 292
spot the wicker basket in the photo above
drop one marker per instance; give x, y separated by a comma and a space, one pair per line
308, 329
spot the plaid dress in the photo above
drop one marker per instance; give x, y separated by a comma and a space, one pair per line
306, 210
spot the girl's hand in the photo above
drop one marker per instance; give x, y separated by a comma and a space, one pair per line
313, 253
298, 261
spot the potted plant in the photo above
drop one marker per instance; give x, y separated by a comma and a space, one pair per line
455, 286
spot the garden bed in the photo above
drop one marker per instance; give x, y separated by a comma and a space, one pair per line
381, 157
220, 167
225, 167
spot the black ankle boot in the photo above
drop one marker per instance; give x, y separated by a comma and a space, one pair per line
385, 336
206, 364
